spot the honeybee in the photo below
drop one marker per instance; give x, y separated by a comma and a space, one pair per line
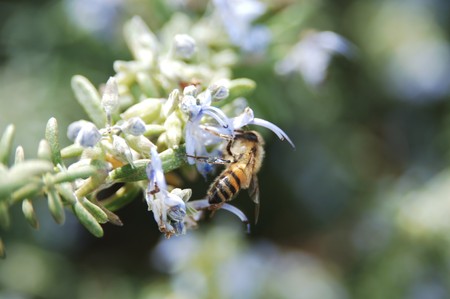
243, 156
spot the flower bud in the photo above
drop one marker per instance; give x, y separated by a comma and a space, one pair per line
134, 126
171, 103
219, 91
83, 133
110, 98
184, 46
122, 148
88, 136
190, 90
139, 143
189, 106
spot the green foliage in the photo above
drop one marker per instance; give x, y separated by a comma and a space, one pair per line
358, 211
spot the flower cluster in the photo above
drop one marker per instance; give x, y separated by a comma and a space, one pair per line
183, 112
174, 105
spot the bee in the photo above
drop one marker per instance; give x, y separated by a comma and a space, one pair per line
243, 157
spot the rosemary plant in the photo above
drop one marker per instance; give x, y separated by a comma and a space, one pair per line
142, 123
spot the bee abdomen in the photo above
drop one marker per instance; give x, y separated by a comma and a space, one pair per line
224, 188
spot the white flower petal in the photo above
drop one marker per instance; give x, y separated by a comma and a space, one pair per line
220, 117
155, 173
280, 133
243, 119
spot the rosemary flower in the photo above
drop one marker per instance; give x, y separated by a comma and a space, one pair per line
196, 107
237, 17
169, 208
84, 133
312, 55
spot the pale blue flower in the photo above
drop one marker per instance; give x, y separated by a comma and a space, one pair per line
184, 46
247, 118
98, 17
196, 108
84, 133
155, 173
169, 208
237, 17
312, 54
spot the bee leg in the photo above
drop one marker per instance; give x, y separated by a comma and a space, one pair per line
210, 160
253, 191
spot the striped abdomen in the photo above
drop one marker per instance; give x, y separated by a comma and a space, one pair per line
228, 184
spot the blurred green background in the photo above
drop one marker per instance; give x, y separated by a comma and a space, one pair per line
358, 210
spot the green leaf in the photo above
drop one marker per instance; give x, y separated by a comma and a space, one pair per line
23, 173
5, 220
88, 97
146, 84
171, 160
55, 206
152, 130
95, 211
241, 87
51, 135
30, 215
72, 174
128, 173
27, 191
6, 144
88, 221
140, 40
95, 181
72, 151
44, 151
148, 110
121, 197
66, 191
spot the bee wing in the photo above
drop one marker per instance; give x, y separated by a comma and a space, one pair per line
253, 191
